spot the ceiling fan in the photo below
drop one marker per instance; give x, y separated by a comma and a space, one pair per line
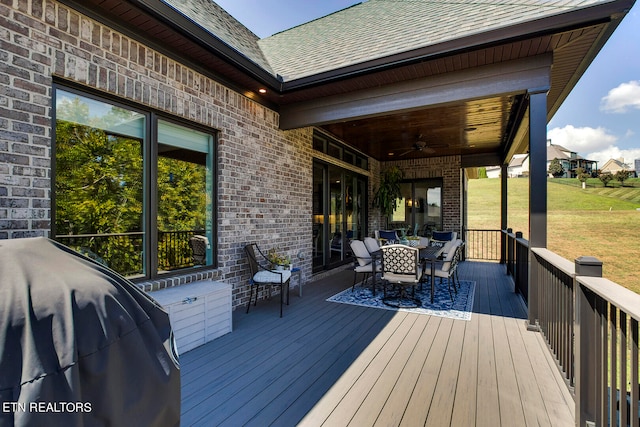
418, 146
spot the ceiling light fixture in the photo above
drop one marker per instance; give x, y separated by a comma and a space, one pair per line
262, 90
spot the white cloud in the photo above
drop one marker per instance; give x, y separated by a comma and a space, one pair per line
613, 152
621, 98
582, 140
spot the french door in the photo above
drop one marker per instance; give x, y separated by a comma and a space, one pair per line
339, 213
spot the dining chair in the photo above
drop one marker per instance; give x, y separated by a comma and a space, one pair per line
402, 268
448, 268
262, 275
363, 264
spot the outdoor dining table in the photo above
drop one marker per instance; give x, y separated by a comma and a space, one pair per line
428, 254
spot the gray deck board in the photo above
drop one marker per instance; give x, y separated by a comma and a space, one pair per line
336, 365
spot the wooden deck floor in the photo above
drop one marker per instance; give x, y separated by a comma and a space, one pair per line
336, 365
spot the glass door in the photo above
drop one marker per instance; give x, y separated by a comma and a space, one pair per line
339, 214
419, 210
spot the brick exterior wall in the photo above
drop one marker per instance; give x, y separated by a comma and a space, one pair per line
264, 176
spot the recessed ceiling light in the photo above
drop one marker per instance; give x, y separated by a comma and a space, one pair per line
262, 90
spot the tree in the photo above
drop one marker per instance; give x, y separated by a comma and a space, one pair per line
555, 168
605, 177
582, 176
621, 176
482, 173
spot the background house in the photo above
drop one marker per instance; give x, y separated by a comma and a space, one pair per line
570, 160
615, 165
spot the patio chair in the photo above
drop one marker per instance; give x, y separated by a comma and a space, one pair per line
401, 267
262, 275
363, 264
448, 268
388, 235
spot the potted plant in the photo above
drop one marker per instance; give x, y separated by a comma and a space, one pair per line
279, 262
413, 240
387, 194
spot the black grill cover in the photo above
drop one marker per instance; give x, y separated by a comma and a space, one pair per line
80, 345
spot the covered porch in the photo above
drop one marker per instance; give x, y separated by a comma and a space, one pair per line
336, 364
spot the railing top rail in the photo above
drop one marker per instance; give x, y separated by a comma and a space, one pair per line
132, 233
623, 298
561, 263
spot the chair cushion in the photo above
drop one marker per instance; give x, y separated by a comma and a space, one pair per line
360, 252
371, 244
448, 246
265, 276
367, 268
442, 235
388, 235
402, 278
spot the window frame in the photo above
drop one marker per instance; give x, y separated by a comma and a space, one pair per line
150, 172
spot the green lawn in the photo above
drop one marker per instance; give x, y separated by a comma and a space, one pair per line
596, 221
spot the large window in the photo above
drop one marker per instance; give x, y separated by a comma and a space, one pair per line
133, 190
420, 208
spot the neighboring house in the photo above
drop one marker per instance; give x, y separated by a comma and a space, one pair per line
615, 165
518, 166
128, 126
569, 160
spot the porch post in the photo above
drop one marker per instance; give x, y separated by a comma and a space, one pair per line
504, 171
537, 191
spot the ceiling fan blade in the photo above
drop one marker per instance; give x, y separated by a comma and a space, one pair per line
405, 153
428, 150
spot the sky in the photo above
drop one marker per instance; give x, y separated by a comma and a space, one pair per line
600, 119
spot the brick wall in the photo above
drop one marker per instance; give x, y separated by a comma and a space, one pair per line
264, 173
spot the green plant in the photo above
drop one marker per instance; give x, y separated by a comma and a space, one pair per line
621, 176
582, 176
276, 259
387, 194
605, 177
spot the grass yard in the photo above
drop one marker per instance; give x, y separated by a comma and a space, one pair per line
596, 221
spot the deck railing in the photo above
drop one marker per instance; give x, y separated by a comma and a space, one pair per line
123, 251
591, 327
517, 260
482, 244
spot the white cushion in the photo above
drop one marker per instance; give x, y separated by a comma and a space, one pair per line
360, 252
265, 276
371, 244
367, 268
402, 278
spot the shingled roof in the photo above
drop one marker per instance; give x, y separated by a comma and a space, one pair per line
219, 23
380, 28
368, 31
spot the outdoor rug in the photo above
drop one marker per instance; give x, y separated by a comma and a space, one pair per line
442, 306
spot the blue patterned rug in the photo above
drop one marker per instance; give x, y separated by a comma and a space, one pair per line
442, 306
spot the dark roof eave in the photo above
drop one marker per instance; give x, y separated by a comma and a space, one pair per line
190, 29
593, 15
